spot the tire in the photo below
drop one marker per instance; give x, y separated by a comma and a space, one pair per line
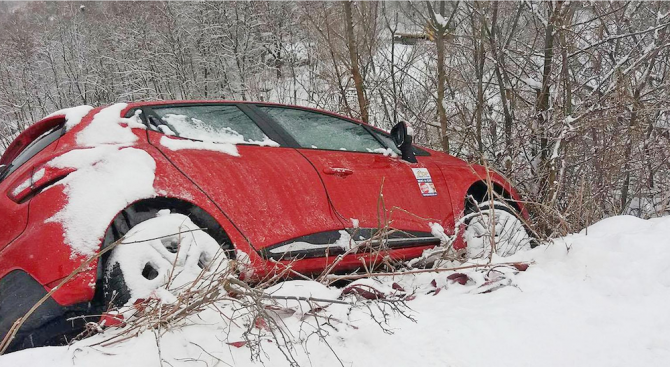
168, 249
506, 235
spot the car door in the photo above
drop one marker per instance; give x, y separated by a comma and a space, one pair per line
269, 191
366, 181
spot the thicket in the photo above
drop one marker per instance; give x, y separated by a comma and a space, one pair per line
568, 99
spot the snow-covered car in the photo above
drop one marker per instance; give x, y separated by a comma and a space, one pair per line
273, 186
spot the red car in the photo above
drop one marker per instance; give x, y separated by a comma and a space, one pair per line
278, 185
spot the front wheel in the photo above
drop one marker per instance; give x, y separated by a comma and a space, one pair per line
166, 251
495, 227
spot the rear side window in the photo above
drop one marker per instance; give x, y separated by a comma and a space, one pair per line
319, 131
227, 124
33, 148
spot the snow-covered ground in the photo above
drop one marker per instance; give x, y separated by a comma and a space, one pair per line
597, 298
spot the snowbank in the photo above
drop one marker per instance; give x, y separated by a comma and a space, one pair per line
597, 298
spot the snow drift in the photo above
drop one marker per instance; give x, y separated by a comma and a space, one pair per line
596, 298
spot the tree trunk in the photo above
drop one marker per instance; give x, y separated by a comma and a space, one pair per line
353, 55
440, 31
548, 169
499, 69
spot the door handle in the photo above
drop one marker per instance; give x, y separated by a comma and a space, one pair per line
337, 171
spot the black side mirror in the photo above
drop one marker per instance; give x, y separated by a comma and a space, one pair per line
403, 141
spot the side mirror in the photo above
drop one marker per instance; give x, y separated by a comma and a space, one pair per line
403, 140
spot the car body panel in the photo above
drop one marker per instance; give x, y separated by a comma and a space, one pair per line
465, 175
375, 185
15, 214
285, 192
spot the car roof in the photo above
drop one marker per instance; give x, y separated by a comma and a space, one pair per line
36, 129
132, 105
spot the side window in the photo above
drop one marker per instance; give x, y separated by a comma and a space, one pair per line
33, 148
320, 131
388, 141
218, 123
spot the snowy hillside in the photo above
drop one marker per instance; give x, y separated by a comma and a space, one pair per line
597, 298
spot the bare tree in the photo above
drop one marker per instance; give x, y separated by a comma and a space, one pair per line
568, 99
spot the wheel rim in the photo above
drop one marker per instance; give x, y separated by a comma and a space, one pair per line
167, 251
497, 228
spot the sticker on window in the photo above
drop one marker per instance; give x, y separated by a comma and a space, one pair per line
425, 181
